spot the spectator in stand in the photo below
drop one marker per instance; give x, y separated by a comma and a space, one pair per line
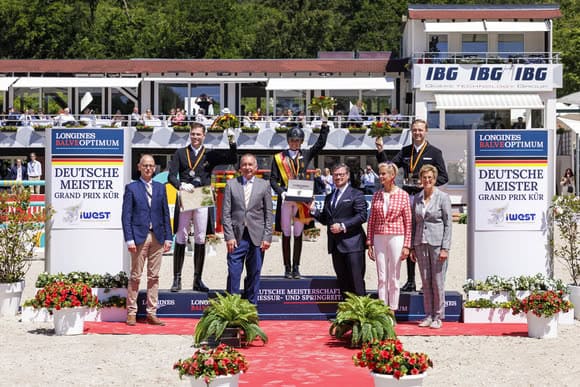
179, 118
34, 171
520, 124
328, 181
43, 116
395, 118
171, 116
18, 171
319, 184
13, 118
258, 114
203, 102
369, 181
136, 118
66, 118
148, 116
117, 120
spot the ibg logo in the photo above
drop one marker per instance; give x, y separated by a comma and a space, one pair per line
95, 215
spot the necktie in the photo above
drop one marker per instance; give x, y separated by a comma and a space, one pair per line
335, 198
149, 191
247, 193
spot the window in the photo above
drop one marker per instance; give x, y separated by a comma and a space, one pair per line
289, 99
119, 101
510, 45
211, 91
477, 119
171, 96
96, 99
54, 100
432, 115
456, 172
253, 97
474, 44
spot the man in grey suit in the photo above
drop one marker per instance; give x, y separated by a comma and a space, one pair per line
247, 222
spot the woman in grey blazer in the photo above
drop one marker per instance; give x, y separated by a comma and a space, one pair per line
431, 240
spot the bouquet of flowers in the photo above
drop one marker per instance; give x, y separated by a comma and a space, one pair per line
388, 357
382, 129
542, 304
226, 121
58, 295
322, 106
207, 364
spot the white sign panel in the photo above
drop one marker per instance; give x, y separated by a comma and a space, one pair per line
487, 77
511, 180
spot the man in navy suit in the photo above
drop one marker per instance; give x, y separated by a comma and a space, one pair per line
147, 232
344, 212
247, 220
18, 171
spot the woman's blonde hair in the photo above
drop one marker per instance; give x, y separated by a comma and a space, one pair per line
393, 167
428, 168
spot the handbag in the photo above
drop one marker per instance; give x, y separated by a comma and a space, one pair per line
570, 189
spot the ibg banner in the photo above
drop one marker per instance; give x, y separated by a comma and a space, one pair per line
87, 179
511, 179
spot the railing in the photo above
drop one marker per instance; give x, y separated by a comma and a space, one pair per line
486, 57
12, 123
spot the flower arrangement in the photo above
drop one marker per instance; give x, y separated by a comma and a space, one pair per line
485, 303
356, 129
8, 128
388, 357
212, 239
144, 128
322, 106
107, 281
58, 295
226, 121
250, 129
114, 302
208, 364
565, 210
496, 283
542, 304
282, 129
382, 129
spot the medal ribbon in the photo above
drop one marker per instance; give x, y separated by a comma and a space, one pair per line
199, 157
413, 165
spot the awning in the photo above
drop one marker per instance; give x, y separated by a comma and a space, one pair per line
573, 98
474, 26
516, 26
94, 82
376, 83
5, 82
204, 80
486, 26
488, 101
569, 123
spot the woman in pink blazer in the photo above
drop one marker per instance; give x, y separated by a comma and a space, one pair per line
389, 234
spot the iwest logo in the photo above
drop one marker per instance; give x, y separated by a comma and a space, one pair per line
520, 217
97, 215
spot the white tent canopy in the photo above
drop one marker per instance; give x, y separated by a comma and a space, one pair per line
573, 98
374, 83
488, 101
6, 82
64, 82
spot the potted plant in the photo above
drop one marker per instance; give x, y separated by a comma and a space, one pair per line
382, 129
68, 303
19, 228
114, 309
364, 319
483, 310
541, 309
229, 311
222, 365
566, 213
390, 363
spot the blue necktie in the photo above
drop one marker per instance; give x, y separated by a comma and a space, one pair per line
335, 198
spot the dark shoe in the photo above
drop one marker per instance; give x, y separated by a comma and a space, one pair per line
153, 320
287, 272
198, 262
176, 283
198, 285
295, 272
131, 320
409, 287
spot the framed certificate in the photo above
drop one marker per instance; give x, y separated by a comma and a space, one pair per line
300, 190
200, 197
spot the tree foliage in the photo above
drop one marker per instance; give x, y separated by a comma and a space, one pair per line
121, 29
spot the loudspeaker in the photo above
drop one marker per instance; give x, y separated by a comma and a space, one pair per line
409, 98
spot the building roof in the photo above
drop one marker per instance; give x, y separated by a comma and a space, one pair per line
513, 11
193, 66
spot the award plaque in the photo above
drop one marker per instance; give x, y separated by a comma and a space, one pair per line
300, 190
200, 197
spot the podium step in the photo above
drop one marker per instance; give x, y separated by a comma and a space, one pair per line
309, 298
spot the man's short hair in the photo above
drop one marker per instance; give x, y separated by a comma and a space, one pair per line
420, 121
195, 125
340, 165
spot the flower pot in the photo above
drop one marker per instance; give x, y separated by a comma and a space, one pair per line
542, 327
405, 381
566, 318
220, 381
30, 314
69, 321
10, 296
492, 315
93, 314
105, 293
231, 336
575, 299
113, 314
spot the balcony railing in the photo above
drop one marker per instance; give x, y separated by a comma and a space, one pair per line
486, 57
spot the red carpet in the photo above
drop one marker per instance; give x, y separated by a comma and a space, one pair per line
302, 352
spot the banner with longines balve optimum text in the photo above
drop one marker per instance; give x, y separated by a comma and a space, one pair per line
87, 180
511, 179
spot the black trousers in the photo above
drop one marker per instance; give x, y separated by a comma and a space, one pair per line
350, 271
